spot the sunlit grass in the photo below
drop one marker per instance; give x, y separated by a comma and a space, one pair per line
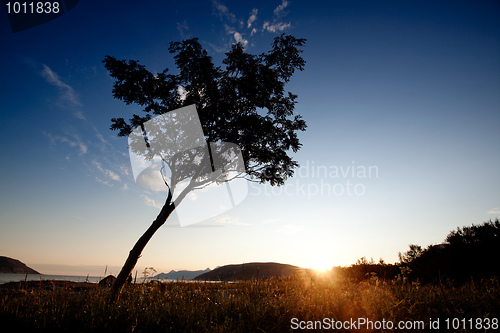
249, 306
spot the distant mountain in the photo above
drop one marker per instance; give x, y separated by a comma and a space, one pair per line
13, 266
254, 270
182, 275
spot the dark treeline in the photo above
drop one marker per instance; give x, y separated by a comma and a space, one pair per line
468, 253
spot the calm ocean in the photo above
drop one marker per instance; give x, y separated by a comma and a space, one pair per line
4, 278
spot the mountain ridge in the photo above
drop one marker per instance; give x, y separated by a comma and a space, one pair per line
253, 270
182, 274
14, 266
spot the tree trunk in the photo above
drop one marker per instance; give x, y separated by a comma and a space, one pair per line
136, 251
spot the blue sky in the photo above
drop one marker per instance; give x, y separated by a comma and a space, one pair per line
406, 88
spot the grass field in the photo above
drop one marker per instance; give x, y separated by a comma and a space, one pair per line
272, 305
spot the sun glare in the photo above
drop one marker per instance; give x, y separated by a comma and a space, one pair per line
321, 265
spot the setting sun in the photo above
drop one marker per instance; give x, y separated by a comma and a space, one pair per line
321, 265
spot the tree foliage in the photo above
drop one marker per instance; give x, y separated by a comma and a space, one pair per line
468, 252
488, 232
244, 103
413, 253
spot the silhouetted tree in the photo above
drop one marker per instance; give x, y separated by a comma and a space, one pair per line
413, 253
488, 232
472, 252
365, 269
244, 103
468, 252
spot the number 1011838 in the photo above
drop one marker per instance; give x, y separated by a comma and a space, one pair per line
48, 7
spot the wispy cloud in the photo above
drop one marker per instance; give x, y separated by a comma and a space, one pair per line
229, 20
217, 48
278, 11
223, 12
252, 18
237, 36
240, 39
229, 220
79, 115
150, 202
495, 210
102, 160
113, 175
67, 94
276, 27
102, 181
103, 143
290, 229
183, 29
74, 142
107, 174
124, 170
241, 30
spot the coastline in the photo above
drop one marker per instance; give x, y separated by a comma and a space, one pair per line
8, 277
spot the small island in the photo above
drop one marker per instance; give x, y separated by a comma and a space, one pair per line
248, 271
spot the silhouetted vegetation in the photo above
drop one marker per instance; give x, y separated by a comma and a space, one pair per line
249, 306
365, 269
468, 253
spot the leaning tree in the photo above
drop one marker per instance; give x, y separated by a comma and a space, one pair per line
244, 102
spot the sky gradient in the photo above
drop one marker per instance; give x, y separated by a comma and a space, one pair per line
406, 91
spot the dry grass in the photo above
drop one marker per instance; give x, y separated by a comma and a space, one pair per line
251, 306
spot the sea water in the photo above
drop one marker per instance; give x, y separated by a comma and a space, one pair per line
4, 278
